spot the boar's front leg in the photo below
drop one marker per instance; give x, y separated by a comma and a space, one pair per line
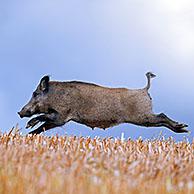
43, 127
42, 118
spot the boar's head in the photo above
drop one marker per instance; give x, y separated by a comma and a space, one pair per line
38, 101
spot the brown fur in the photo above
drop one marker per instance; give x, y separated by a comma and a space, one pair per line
93, 105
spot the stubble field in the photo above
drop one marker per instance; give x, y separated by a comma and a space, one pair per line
77, 165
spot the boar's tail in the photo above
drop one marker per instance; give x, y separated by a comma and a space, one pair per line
149, 75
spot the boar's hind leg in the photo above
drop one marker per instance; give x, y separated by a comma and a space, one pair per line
161, 120
42, 118
44, 127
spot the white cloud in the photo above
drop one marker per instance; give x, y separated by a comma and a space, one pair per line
177, 28
126, 31
164, 27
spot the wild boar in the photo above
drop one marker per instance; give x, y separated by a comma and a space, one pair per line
56, 103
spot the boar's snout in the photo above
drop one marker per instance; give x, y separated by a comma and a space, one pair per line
24, 113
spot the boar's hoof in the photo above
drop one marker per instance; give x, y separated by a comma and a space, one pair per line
181, 128
32, 123
182, 125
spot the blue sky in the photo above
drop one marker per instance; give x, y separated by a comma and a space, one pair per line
109, 42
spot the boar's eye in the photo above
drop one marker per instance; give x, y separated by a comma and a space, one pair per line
35, 94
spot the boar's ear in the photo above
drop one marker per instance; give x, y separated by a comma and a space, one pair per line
44, 84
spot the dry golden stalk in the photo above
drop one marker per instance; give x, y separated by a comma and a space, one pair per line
41, 164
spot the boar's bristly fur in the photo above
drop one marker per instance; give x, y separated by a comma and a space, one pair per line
56, 103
